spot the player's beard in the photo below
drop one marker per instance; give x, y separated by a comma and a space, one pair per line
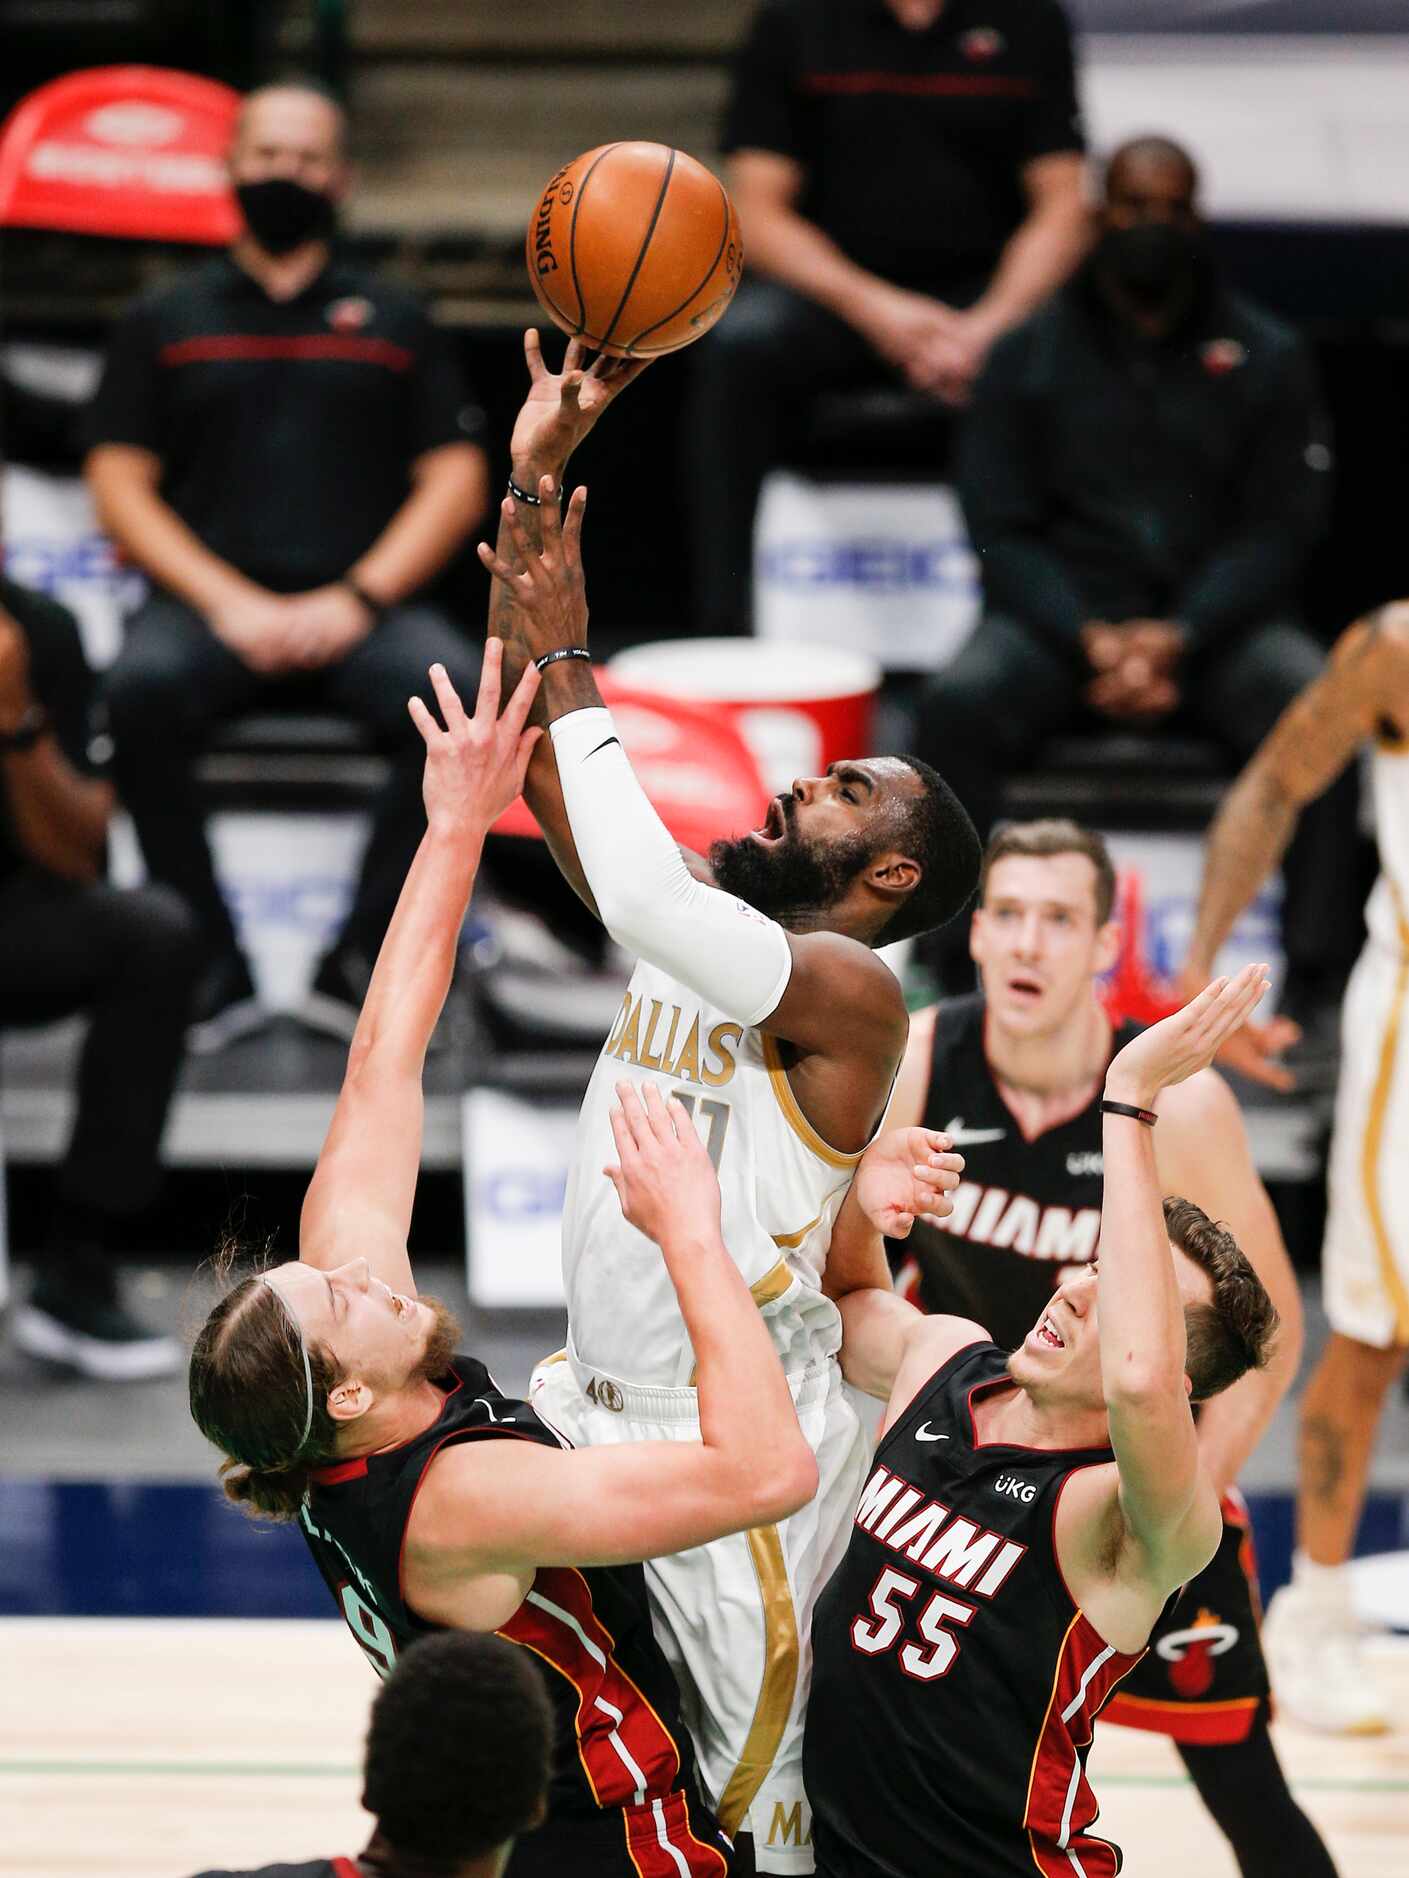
441, 1345
795, 881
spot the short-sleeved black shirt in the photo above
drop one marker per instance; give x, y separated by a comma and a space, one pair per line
286, 429
62, 682
913, 143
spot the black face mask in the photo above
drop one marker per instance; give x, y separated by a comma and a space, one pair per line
282, 214
1154, 261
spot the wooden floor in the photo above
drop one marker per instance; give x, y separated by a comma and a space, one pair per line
165, 1747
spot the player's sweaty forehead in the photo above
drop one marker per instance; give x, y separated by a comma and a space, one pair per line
886, 776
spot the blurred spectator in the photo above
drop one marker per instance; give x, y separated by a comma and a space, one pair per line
70, 943
457, 1764
1144, 472
282, 442
908, 175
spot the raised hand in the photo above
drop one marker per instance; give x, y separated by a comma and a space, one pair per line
1255, 1049
663, 1177
907, 1174
561, 407
1186, 1042
546, 584
475, 766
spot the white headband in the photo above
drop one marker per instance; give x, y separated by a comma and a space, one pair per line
307, 1367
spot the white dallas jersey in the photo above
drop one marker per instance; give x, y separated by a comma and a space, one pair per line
1387, 912
782, 1187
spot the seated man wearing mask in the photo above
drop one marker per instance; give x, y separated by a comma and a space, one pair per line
1143, 473
281, 442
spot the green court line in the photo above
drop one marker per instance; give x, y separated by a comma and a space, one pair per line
329, 1770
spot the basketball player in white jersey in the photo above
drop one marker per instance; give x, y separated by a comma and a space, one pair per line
1362, 697
760, 1002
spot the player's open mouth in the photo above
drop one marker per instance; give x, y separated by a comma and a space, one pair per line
775, 824
1046, 1332
1026, 990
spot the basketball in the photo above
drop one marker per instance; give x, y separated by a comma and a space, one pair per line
634, 249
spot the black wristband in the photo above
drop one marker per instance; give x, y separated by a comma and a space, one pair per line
1147, 1116
34, 722
377, 608
563, 652
522, 495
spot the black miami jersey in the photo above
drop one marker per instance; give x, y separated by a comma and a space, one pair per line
1025, 1213
955, 1684
624, 1796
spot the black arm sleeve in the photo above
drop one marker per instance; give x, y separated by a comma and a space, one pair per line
1284, 483
764, 107
1001, 487
127, 407
1054, 122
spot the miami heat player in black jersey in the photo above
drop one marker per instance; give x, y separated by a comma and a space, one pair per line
950, 1660
1025, 1212
623, 1798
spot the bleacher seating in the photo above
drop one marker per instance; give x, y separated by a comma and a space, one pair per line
1122, 779
461, 109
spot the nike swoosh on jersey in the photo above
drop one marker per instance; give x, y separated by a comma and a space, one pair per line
962, 1136
922, 1434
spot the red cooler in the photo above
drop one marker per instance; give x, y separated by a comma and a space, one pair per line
798, 707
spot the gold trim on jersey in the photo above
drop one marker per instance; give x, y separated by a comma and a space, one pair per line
1373, 1142
778, 1684
772, 1285
797, 1121
790, 1241
558, 1356
768, 1289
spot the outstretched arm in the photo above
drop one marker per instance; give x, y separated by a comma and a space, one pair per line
359, 1201
559, 411
1306, 749
819, 990
503, 1507
1169, 1510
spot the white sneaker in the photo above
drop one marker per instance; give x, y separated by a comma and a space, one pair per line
1319, 1674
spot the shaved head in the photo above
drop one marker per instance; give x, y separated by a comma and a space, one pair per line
1152, 158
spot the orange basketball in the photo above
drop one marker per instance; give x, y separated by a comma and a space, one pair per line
634, 249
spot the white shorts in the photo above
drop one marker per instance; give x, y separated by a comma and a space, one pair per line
734, 1618
1365, 1255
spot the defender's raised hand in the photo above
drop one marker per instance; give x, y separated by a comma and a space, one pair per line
561, 407
1186, 1042
664, 1178
907, 1174
546, 584
475, 766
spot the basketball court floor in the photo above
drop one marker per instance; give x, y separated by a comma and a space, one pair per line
175, 1694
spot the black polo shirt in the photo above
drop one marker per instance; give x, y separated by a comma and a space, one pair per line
286, 429
913, 143
62, 682
1106, 475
